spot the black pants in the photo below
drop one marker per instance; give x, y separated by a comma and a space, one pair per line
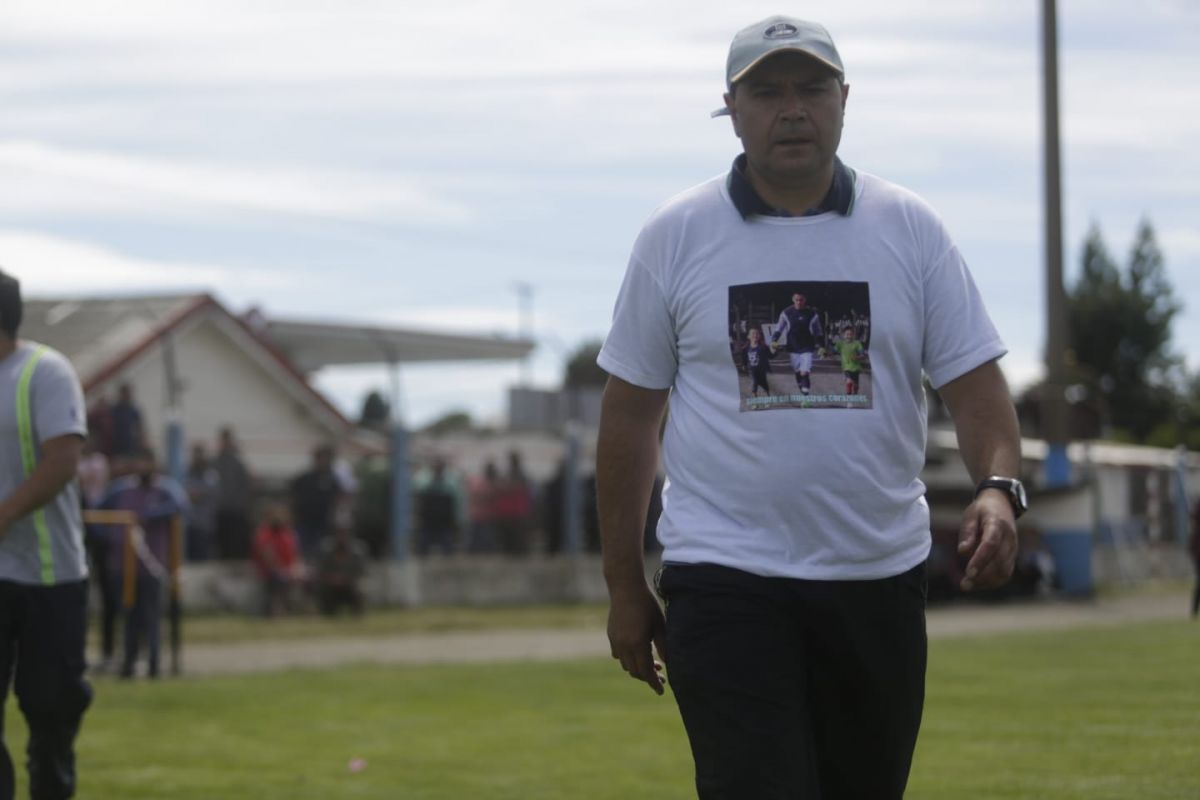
233, 534
41, 652
796, 689
108, 588
1196, 591
332, 598
144, 622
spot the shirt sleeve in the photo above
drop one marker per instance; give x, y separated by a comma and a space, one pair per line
641, 344
56, 399
781, 327
959, 334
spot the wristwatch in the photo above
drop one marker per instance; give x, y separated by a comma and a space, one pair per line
1010, 486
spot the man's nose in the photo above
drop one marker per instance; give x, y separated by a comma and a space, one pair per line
793, 105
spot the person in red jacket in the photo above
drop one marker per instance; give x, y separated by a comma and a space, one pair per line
276, 555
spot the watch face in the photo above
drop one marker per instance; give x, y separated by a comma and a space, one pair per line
1019, 493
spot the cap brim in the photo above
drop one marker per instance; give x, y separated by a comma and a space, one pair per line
742, 72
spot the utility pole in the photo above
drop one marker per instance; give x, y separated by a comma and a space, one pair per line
1054, 407
524, 291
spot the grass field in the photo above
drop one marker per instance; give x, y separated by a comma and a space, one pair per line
1102, 713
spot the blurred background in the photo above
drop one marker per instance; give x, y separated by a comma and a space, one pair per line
381, 225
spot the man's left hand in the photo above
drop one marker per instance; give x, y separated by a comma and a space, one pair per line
988, 536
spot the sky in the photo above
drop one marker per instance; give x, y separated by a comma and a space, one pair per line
382, 161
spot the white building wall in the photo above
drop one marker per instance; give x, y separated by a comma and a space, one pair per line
1113, 485
222, 385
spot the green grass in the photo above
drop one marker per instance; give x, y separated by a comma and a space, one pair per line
1102, 714
1095, 713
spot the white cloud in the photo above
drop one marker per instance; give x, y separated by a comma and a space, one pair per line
49, 265
545, 119
1180, 243
72, 180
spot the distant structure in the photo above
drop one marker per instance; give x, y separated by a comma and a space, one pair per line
194, 363
551, 410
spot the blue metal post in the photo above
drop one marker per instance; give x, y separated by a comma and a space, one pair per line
174, 441
401, 493
1058, 466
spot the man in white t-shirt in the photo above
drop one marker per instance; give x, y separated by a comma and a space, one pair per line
43, 571
794, 525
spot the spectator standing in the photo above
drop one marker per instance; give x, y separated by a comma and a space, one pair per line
43, 568
315, 495
481, 509
373, 505
156, 500
203, 485
437, 512
100, 426
93, 483
276, 556
340, 569
512, 507
127, 431
235, 493
553, 504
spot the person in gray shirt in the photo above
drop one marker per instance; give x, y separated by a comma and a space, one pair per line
43, 569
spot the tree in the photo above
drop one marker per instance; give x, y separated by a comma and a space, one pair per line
375, 411
1120, 334
582, 369
451, 422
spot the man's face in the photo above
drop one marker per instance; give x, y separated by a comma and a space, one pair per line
788, 113
799, 300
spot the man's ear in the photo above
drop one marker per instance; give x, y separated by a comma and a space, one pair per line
732, 113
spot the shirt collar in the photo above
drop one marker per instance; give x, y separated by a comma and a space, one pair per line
839, 198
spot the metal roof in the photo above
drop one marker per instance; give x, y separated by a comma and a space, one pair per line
94, 331
312, 345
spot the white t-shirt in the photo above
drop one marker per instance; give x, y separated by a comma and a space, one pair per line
803, 481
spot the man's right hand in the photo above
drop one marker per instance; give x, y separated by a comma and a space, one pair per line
635, 620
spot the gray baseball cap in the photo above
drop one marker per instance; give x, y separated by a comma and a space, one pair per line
774, 35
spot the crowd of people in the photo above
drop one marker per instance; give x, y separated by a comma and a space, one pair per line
309, 540
302, 546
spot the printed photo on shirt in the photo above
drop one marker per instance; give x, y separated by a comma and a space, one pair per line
801, 344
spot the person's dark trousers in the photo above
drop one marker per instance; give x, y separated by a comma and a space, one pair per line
107, 589
1196, 591
309, 538
435, 540
42, 631
332, 598
110, 607
793, 688
277, 594
233, 534
144, 619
